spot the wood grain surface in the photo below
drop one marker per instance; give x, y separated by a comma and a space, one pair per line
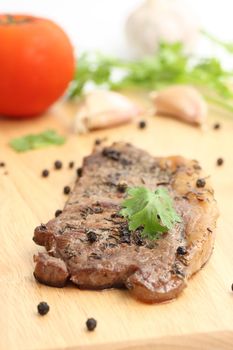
201, 318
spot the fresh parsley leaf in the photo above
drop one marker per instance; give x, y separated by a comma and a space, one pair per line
152, 210
170, 65
227, 46
35, 141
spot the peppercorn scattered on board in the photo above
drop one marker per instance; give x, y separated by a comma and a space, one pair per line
201, 318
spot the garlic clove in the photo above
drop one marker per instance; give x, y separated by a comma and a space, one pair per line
81, 121
104, 109
108, 119
161, 20
182, 102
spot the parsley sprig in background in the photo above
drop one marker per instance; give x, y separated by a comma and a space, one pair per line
170, 65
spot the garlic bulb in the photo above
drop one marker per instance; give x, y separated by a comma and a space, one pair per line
161, 20
104, 109
182, 102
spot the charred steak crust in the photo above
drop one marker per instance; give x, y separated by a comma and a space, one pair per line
89, 242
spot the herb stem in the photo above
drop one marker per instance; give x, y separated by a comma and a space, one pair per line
219, 102
224, 45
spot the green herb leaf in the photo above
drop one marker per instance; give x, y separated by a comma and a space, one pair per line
170, 65
227, 46
35, 141
153, 211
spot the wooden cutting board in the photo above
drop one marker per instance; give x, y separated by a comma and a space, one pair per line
201, 318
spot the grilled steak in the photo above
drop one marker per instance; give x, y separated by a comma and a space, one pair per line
90, 244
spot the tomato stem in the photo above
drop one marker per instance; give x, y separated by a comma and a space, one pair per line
10, 19
13, 20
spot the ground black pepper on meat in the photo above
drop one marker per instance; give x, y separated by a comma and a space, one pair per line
43, 227
125, 236
91, 236
94, 256
138, 240
122, 186
181, 250
79, 172
98, 210
200, 183
58, 212
111, 153
116, 215
125, 161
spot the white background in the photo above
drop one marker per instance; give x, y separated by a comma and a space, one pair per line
99, 24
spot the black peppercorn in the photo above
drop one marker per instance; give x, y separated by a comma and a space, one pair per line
79, 172
43, 308
125, 239
66, 190
138, 240
142, 124
97, 142
122, 186
91, 236
58, 212
232, 287
216, 126
111, 154
200, 183
2, 164
181, 250
58, 164
71, 165
43, 227
220, 161
91, 324
45, 173
125, 236
98, 210
116, 215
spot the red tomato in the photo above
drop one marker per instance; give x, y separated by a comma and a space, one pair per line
36, 64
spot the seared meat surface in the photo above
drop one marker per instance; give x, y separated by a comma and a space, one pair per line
90, 244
